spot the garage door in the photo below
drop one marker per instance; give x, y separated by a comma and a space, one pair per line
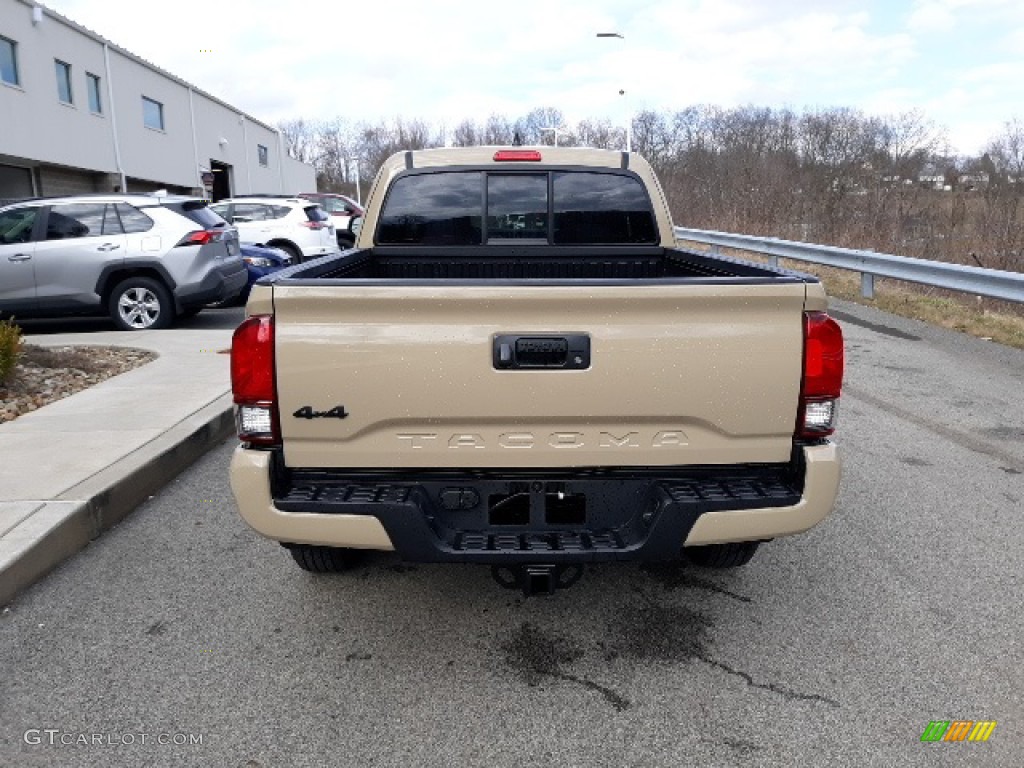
15, 183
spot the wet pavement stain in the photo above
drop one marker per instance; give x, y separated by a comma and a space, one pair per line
903, 369
637, 635
156, 629
537, 655
741, 746
786, 693
656, 632
1006, 433
912, 461
885, 330
402, 568
674, 576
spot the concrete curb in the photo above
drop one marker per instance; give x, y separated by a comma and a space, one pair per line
62, 527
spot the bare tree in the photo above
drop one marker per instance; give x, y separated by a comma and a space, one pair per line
299, 139
466, 134
1001, 225
1007, 151
532, 127
827, 175
376, 143
336, 142
498, 131
597, 133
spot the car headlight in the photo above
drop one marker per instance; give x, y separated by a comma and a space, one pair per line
257, 261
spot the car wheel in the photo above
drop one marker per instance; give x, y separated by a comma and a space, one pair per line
293, 253
730, 555
322, 559
140, 304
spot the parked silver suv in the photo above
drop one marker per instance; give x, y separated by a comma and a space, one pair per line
142, 259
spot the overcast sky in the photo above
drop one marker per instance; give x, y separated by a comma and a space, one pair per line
961, 62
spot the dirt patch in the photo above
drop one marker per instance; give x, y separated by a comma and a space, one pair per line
44, 375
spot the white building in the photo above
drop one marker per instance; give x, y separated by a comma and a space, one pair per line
80, 114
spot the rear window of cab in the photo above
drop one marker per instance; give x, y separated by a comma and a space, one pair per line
522, 208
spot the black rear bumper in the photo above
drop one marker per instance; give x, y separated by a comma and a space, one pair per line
517, 517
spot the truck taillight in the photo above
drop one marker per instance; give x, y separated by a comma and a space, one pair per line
517, 155
822, 376
252, 381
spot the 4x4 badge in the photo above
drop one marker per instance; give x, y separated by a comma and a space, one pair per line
307, 412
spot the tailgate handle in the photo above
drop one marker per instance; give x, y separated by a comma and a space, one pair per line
541, 351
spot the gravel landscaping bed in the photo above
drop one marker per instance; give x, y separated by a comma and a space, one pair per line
46, 374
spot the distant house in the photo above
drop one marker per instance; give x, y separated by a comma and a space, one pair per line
973, 181
932, 180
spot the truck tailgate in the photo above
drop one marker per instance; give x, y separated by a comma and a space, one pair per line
678, 374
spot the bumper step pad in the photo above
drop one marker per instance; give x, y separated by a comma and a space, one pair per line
534, 541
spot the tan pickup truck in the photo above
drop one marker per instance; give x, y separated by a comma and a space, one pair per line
517, 366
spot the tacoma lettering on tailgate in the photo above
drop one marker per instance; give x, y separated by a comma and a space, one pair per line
667, 438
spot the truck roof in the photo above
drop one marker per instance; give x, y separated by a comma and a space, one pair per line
422, 158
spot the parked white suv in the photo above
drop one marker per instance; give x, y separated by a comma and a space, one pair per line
342, 209
299, 227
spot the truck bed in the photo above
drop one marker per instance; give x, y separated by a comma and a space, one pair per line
534, 264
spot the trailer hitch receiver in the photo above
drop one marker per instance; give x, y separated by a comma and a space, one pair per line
537, 578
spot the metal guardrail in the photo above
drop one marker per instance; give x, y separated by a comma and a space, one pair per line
993, 283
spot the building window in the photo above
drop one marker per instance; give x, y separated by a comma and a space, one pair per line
8, 61
92, 83
152, 114
63, 80
263, 155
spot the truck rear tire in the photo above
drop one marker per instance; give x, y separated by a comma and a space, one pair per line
322, 559
730, 555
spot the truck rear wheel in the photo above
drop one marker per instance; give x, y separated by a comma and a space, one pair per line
729, 555
322, 559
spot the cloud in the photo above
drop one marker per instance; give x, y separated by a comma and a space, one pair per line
447, 60
951, 15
